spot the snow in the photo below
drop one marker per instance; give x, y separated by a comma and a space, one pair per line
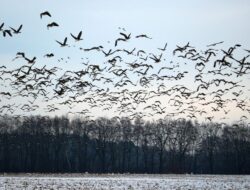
121, 182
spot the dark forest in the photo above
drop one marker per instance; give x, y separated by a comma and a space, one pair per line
119, 145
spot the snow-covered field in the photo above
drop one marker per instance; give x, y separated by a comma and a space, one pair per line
118, 182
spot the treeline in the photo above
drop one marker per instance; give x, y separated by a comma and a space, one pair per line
44, 144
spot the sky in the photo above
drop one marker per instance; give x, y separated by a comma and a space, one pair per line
175, 22
200, 22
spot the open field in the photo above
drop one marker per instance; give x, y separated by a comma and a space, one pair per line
117, 182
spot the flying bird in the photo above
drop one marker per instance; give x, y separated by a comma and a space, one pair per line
17, 31
19, 55
53, 24
214, 44
156, 59
97, 48
143, 36
46, 13
126, 37
78, 37
49, 55
119, 39
164, 48
22, 54
64, 43
31, 61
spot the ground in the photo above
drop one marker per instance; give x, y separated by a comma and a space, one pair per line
121, 182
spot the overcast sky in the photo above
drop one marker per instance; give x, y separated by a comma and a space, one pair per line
200, 22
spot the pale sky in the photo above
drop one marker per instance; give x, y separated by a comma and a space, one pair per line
175, 22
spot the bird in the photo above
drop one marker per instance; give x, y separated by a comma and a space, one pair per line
214, 44
31, 61
98, 48
156, 59
19, 55
169, 68
22, 54
139, 52
53, 24
119, 39
129, 52
17, 31
143, 36
49, 55
181, 49
164, 48
126, 37
46, 13
110, 52
2, 67
64, 43
5, 93
78, 37
7, 32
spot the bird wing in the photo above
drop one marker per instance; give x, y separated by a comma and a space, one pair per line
45, 13
27, 59
55, 24
13, 29
8, 32
48, 14
73, 36
59, 43
116, 42
165, 45
79, 35
160, 56
1, 25
20, 27
125, 36
119, 39
65, 41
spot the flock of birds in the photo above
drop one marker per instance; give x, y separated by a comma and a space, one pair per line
132, 82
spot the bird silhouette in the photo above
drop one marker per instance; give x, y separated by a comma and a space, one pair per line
164, 48
49, 55
214, 44
98, 48
31, 61
142, 36
155, 58
46, 13
129, 52
53, 24
126, 37
64, 43
119, 39
22, 54
78, 37
17, 31
110, 52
